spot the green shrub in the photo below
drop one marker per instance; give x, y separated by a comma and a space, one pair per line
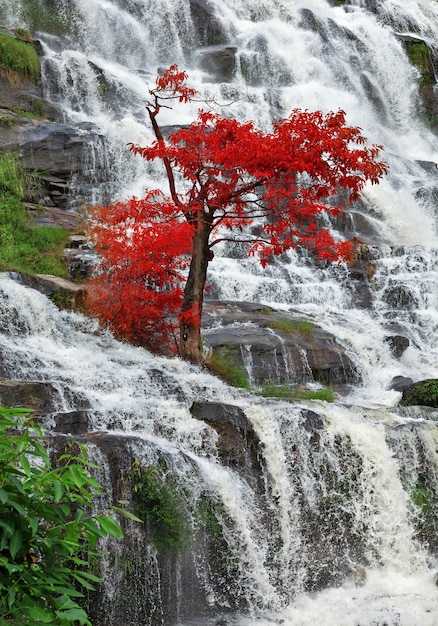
23, 247
19, 57
158, 499
47, 535
224, 365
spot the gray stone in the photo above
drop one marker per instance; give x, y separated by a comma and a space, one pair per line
246, 331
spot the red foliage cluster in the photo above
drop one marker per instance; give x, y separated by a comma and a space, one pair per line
138, 286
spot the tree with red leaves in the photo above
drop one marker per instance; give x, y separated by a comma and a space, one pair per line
234, 176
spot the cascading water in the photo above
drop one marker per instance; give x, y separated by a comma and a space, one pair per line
345, 503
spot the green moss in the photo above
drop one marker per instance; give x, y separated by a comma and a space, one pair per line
36, 112
19, 57
23, 247
158, 500
423, 393
305, 327
225, 366
269, 389
419, 55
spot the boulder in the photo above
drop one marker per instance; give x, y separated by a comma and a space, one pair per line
421, 393
400, 383
208, 27
218, 61
275, 346
397, 344
40, 397
237, 441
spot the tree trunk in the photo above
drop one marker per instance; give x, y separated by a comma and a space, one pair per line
191, 310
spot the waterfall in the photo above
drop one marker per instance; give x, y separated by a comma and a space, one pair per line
339, 526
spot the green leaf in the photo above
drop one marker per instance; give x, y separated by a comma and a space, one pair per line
18, 507
16, 542
26, 465
34, 524
59, 490
73, 615
8, 528
109, 526
127, 514
3, 496
77, 576
40, 614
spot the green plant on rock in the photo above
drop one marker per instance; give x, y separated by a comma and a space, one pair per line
24, 247
158, 500
48, 537
18, 59
425, 499
305, 327
419, 55
270, 389
423, 393
224, 364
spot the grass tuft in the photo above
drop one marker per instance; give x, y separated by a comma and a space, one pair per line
305, 327
19, 58
24, 247
269, 389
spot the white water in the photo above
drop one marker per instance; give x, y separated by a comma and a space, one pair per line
282, 65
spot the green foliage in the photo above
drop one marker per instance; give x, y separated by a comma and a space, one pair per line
23, 247
419, 55
50, 16
423, 393
158, 500
269, 389
19, 57
425, 499
47, 536
305, 327
224, 365
326, 395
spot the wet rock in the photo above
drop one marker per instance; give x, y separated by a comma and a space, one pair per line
272, 347
400, 383
421, 393
41, 397
218, 61
72, 423
237, 442
397, 344
208, 27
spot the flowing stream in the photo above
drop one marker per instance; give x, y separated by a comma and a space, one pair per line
340, 535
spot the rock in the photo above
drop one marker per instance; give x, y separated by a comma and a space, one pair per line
49, 284
48, 146
41, 397
64, 293
208, 26
397, 344
237, 441
218, 61
400, 383
421, 393
72, 423
253, 336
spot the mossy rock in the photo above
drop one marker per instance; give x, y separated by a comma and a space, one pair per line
422, 393
18, 59
419, 55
